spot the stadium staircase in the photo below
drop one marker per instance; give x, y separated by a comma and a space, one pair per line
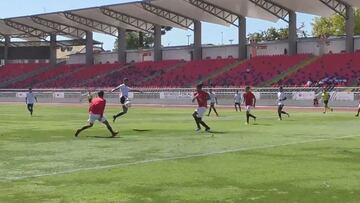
160, 73
219, 72
25, 75
290, 71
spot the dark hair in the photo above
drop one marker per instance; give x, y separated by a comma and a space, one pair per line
200, 86
101, 94
125, 79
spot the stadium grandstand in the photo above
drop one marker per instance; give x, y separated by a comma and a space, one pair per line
35, 60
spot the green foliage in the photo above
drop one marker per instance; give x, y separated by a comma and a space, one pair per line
136, 40
270, 34
334, 25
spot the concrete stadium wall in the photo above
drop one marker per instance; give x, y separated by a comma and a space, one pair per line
221, 52
183, 53
309, 46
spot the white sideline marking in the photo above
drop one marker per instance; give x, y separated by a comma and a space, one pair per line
170, 159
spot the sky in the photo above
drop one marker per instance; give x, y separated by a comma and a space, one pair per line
219, 34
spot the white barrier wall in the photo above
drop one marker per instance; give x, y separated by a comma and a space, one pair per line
357, 43
177, 54
273, 48
221, 52
106, 57
309, 46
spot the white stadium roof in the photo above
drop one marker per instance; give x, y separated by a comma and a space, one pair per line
142, 15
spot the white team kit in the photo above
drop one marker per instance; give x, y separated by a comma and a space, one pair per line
281, 98
212, 97
124, 90
124, 94
237, 98
30, 98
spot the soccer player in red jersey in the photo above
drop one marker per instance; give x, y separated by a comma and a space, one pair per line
202, 98
250, 102
96, 113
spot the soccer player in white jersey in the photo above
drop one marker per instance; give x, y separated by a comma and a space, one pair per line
124, 97
213, 101
281, 98
237, 100
30, 100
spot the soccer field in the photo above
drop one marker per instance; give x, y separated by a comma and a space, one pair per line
309, 157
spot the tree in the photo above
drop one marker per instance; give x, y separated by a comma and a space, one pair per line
136, 40
334, 25
270, 34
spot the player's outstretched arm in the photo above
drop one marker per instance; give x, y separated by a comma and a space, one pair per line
116, 88
254, 102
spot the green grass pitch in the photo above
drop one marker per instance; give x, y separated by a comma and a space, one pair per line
307, 158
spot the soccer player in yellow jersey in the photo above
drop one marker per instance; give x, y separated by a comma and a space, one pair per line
326, 97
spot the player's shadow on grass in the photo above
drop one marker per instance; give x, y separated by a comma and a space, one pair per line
141, 130
103, 137
218, 132
262, 124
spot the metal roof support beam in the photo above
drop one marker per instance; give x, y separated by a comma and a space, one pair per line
91, 23
121, 45
157, 43
130, 20
273, 8
338, 6
176, 18
292, 33
242, 38
350, 29
197, 53
216, 11
89, 48
59, 27
34, 32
